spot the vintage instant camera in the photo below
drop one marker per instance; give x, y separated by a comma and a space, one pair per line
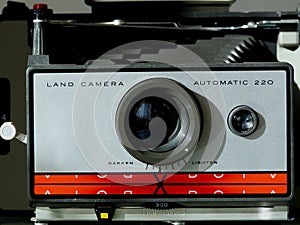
184, 115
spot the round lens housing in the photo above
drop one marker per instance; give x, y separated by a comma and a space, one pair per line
158, 121
243, 121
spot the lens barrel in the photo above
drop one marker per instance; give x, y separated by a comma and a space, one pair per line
158, 121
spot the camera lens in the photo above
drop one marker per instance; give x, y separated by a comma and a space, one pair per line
149, 115
243, 120
158, 121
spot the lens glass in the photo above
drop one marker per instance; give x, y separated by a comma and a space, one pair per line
154, 116
243, 121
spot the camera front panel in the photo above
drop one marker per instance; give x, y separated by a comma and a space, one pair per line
160, 135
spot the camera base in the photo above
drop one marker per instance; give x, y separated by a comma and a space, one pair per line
45, 214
